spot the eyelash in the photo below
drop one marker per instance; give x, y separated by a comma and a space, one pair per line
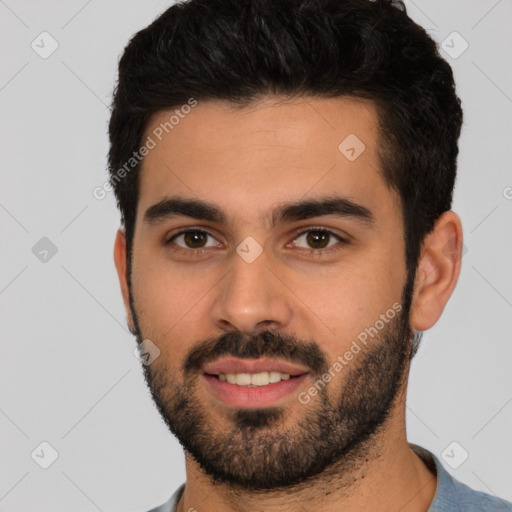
319, 252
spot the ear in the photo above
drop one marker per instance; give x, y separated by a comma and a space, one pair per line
122, 272
437, 271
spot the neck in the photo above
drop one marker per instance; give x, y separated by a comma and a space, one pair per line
388, 477
382, 474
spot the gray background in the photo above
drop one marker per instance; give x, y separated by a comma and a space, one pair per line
68, 375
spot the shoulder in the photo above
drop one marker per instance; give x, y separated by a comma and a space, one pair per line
170, 504
470, 500
455, 496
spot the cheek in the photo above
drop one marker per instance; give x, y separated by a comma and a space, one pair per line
340, 304
331, 304
171, 302
163, 289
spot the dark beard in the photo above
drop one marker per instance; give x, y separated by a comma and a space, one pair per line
257, 452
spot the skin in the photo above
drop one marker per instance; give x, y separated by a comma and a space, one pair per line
229, 157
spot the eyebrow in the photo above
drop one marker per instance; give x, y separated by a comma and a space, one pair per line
199, 209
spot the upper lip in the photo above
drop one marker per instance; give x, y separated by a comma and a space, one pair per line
235, 365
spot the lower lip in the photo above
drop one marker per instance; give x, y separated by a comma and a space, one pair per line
254, 397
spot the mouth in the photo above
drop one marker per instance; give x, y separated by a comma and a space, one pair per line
253, 383
255, 379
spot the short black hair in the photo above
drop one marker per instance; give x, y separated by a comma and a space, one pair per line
241, 51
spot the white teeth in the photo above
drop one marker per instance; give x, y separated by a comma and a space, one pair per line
275, 376
260, 379
254, 379
243, 379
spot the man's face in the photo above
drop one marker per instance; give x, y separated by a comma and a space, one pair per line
304, 291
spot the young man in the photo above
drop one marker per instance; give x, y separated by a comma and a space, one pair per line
284, 171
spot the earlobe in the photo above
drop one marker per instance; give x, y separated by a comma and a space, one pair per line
437, 271
120, 261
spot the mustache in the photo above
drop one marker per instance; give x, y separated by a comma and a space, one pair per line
270, 344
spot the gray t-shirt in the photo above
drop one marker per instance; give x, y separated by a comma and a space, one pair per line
451, 495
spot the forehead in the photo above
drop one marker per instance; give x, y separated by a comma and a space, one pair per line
264, 154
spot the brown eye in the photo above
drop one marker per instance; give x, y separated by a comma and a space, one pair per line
192, 239
318, 239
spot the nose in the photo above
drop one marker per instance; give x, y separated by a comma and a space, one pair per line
252, 297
